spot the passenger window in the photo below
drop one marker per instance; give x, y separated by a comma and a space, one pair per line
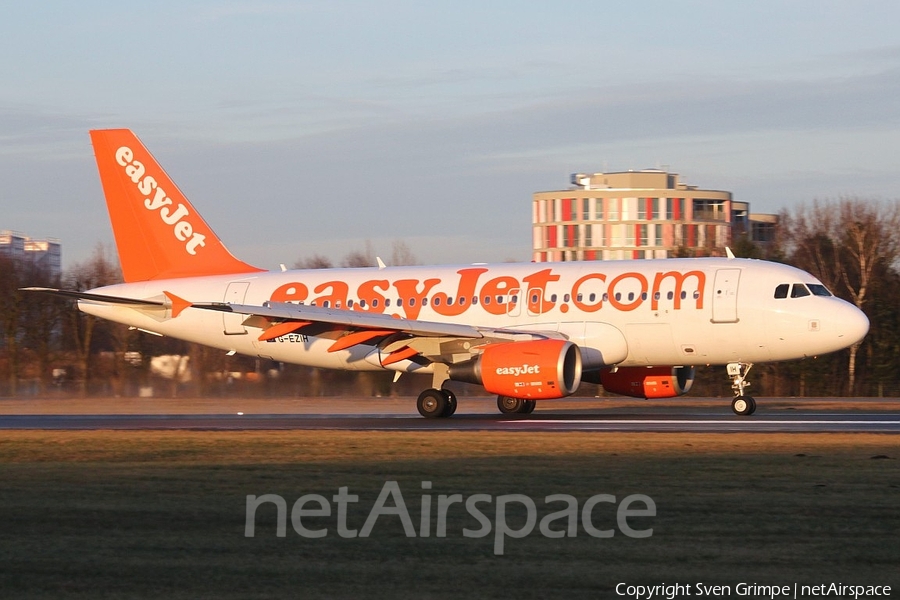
781, 291
799, 291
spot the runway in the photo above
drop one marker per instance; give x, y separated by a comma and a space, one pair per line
706, 416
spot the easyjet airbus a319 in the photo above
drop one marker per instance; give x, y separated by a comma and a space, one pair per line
526, 332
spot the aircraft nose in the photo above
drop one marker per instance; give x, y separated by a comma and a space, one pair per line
852, 325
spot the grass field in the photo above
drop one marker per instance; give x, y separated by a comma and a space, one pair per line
162, 514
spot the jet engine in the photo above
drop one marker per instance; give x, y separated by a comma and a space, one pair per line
648, 382
539, 369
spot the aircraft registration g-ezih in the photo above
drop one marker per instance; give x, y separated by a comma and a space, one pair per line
525, 332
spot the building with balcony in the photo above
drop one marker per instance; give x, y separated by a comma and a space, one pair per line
634, 215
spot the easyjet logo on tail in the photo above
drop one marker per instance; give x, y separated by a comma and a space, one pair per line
177, 219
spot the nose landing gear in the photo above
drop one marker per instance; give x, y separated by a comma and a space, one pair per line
742, 404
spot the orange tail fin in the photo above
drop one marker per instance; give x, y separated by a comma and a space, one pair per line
158, 233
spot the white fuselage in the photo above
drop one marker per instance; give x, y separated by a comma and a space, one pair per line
625, 313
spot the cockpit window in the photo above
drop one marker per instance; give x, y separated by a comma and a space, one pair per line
798, 290
782, 291
819, 290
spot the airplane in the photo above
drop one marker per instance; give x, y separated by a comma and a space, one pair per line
525, 332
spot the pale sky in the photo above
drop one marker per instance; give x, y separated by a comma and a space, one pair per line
298, 128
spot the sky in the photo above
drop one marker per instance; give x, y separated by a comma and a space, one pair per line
303, 128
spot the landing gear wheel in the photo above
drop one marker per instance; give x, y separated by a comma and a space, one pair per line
451, 403
743, 405
509, 405
432, 404
528, 408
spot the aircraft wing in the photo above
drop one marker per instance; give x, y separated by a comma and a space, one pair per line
286, 312
397, 338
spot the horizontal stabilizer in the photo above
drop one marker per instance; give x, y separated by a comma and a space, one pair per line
96, 297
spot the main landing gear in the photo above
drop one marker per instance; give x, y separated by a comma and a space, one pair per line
509, 405
435, 404
742, 404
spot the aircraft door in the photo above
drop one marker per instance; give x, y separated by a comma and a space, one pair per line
534, 301
513, 302
724, 300
235, 294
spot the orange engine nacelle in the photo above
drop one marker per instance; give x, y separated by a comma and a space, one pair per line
648, 382
540, 369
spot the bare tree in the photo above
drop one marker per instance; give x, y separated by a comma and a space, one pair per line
10, 313
361, 258
99, 270
41, 317
401, 254
846, 244
316, 261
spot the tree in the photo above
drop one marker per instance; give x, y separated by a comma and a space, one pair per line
849, 244
10, 313
401, 254
316, 261
41, 317
99, 270
361, 258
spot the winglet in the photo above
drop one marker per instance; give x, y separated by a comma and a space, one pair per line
159, 234
729, 253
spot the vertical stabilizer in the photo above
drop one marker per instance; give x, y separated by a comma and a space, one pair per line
159, 235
